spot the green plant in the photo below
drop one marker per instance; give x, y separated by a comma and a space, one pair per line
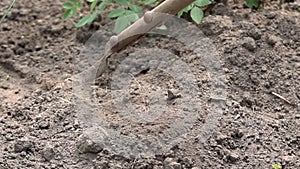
252, 3
255, 4
195, 10
128, 10
7, 11
277, 166
127, 13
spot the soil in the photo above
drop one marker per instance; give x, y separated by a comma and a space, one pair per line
258, 125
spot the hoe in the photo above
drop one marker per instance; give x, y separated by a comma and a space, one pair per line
150, 20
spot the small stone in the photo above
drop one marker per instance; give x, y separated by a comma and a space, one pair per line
23, 145
170, 163
272, 40
174, 165
264, 68
4, 86
48, 153
233, 157
44, 125
270, 15
249, 43
287, 159
220, 138
24, 12
187, 162
173, 95
86, 145
247, 100
254, 33
56, 28
6, 27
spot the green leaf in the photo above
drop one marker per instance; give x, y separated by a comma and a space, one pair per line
66, 14
73, 12
90, 1
102, 6
201, 3
148, 2
79, 6
92, 17
83, 21
93, 5
67, 5
75, 1
197, 14
135, 8
121, 24
276, 166
131, 16
252, 3
116, 13
180, 13
186, 9
122, 2
162, 27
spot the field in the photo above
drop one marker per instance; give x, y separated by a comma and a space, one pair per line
257, 68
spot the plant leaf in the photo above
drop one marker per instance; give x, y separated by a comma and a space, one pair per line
180, 13
79, 6
93, 5
252, 3
162, 27
67, 5
135, 8
73, 12
83, 21
186, 9
121, 24
122, 2
197, 14
201, 3
102, 6
93, 17
74, 1
148, 2
66, 14
131, 16
116, 13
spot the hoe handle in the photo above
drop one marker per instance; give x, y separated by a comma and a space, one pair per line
145, 24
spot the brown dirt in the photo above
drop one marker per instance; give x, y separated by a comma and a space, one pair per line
260, 55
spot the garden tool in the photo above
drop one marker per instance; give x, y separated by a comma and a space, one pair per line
149, 21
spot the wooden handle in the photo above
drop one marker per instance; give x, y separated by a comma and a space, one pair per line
145, 24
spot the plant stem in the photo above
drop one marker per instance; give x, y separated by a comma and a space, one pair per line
7, 11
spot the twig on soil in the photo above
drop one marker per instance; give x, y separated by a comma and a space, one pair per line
134, 163
281, 97
65, 100
7, 11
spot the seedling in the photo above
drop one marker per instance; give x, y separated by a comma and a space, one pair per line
195, 10
277, 166
127, 12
